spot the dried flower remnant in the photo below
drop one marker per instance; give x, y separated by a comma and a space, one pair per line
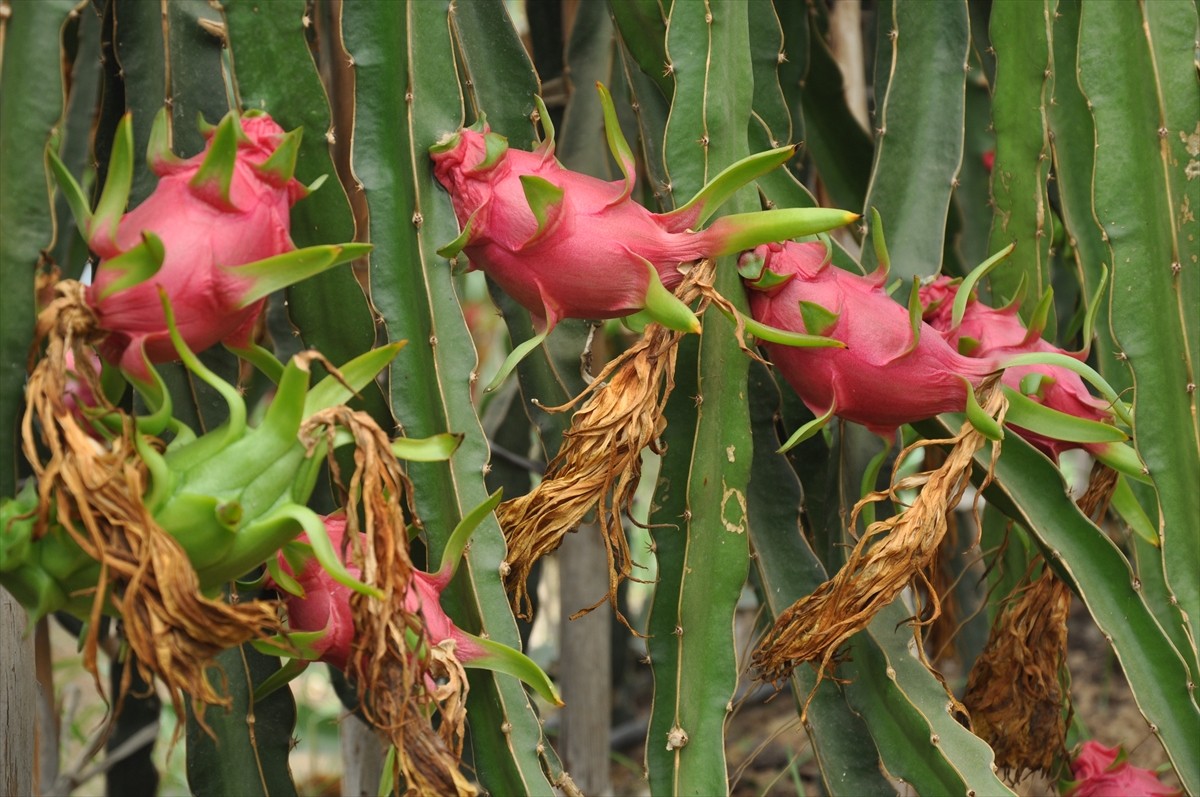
1017, 690
98, 545
407, 656
600, 461
134, 526
891, 554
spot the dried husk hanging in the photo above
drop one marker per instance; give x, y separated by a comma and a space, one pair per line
412, 691
1017, 691
891, 554
600, 461
94, 491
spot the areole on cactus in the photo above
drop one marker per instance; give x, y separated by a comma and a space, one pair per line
568, 245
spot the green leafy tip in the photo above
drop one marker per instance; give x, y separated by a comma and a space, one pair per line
807, 430
547, 145
281, 166
215, 175
131, 267
503, 659
495, 146
709, 199
665, 307
545, 200
452, 249
817, 319
617, 144
740, 231
985, 424
881, 251
114, 198
968, 284
159, 156
452, 553
266, 276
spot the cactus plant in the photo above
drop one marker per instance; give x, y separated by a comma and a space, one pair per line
724, 135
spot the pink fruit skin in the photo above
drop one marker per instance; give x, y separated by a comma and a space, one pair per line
199, 232
876, 380
1001, 335
1097, 774
326, 605
586, 263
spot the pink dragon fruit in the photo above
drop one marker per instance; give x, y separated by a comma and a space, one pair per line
325, 606
998, 335
891, 372
567, 245
1103, 772
214, 236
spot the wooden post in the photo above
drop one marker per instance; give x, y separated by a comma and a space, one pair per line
18, 700
362, 758
585, 664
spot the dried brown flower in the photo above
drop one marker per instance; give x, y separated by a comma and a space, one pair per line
891, 554
600, 461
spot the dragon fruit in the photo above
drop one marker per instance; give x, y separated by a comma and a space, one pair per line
893, 370
214, 236
1101, 771
996, 335
325, 604
567, 245
325, 608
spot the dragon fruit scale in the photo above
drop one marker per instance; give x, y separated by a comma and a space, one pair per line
568, 245
891, 372
214, 235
